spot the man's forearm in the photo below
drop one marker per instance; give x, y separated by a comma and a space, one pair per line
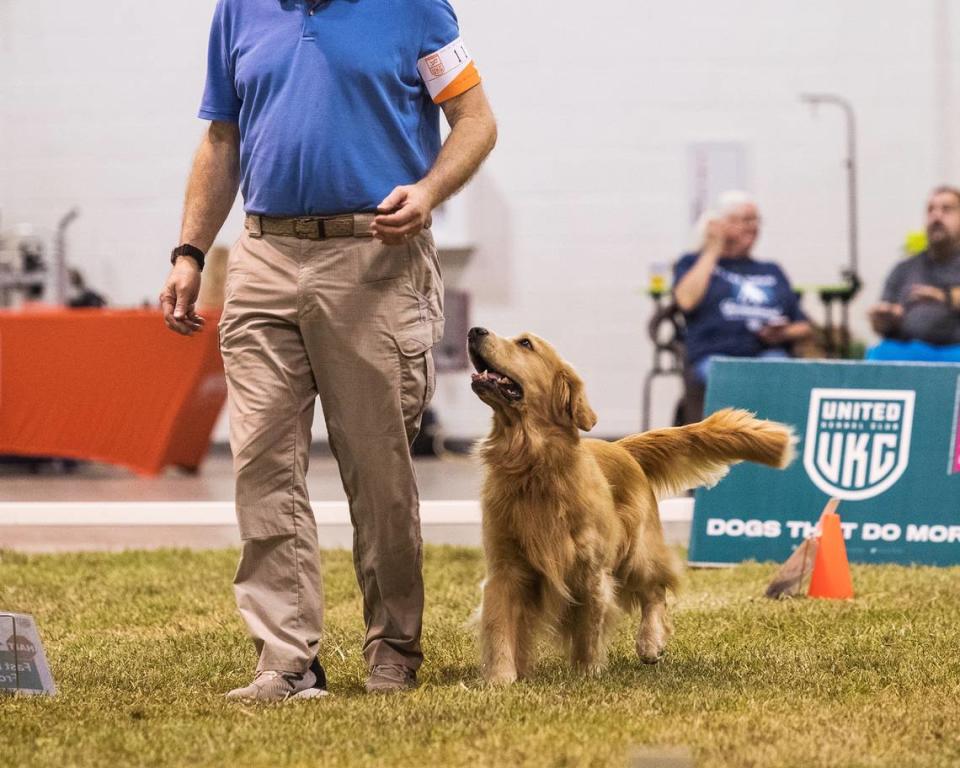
212, 187
471, 139
692, 287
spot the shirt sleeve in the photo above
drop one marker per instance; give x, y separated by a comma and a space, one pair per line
220, 99
444, 64
794, 310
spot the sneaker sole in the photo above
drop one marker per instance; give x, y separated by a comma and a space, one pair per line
309, 693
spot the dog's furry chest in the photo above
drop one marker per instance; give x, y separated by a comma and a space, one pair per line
543, 532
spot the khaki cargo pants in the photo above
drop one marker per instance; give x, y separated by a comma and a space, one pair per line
353, 321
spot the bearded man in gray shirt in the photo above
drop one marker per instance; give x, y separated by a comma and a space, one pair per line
921, 298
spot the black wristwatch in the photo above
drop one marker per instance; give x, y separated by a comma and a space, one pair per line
187, 250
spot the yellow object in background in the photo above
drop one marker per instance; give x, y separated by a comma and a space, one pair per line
658, 274
915, 242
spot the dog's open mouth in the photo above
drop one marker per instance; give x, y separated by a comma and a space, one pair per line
488, 379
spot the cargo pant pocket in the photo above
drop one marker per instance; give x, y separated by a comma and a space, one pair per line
265, 515
417, 373
254, 528
426, 277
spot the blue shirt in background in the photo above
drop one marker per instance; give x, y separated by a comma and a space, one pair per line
336, 101
742, 297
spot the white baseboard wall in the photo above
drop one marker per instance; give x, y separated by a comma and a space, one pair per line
97, 525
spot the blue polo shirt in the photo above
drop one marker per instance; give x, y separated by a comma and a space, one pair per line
336, 100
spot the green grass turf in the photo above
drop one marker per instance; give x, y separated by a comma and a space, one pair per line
143, 646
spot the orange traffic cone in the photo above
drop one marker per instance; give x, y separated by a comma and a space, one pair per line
831, 571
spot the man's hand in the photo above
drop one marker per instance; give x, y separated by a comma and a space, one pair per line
406, 211
714, 238
779, 332
927, 293
179, 297
775, 333
885, 318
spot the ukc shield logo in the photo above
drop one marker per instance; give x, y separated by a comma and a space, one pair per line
435, 63
858, 440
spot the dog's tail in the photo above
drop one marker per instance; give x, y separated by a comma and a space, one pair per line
681, 458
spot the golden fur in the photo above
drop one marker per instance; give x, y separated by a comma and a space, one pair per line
571, 530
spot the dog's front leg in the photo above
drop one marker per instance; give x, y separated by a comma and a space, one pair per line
501, 629
589, 622
654, 625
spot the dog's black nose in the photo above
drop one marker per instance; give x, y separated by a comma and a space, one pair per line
475, 333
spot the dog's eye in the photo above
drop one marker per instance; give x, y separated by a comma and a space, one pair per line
525, 343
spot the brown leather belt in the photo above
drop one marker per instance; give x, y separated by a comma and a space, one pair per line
311, 227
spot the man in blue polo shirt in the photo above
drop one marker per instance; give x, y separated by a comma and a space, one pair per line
326, 115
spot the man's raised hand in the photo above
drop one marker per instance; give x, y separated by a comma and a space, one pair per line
406, 211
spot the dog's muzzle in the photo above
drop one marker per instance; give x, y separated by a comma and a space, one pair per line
487, 378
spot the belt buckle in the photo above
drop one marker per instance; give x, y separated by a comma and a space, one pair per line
307, 227
254, 226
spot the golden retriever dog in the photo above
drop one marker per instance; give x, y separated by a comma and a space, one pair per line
571, 529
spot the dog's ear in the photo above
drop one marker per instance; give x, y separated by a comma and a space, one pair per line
570, 399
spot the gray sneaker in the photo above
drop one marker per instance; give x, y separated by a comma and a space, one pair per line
389, 678
270, 685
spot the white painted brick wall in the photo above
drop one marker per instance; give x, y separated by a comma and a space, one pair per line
596, 105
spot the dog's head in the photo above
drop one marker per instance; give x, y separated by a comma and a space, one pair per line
524, 378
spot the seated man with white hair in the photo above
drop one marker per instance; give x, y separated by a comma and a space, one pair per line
733, 304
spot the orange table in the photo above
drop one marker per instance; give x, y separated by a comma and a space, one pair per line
108, 385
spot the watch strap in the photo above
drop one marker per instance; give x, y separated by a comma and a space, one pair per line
187, 250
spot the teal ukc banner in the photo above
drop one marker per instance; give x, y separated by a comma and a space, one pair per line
884, 438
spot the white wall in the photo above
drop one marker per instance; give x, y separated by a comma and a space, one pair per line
596, 104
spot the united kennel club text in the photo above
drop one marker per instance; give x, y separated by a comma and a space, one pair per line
857, 458
802, 529
859, 410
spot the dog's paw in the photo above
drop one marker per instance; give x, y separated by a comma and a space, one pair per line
592, 670
649, 651
500, 678
651, 641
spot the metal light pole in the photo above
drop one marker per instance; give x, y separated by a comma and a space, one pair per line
843, 294
60, 257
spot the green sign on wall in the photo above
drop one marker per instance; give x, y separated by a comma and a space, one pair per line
882, 437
